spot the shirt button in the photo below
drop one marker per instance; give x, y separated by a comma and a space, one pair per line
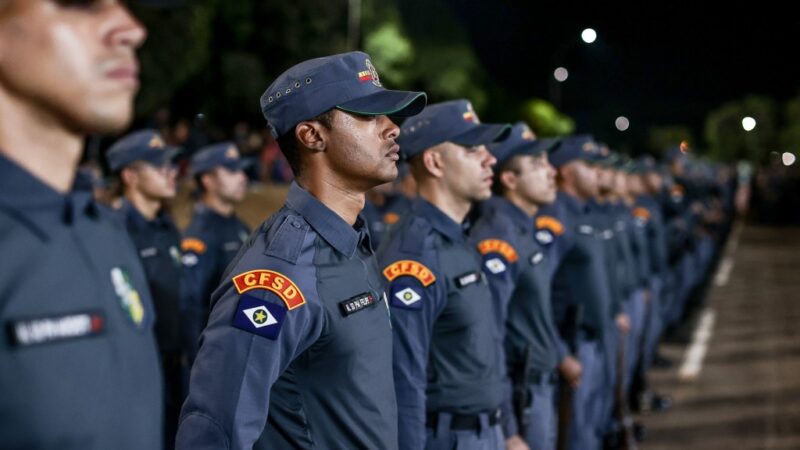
296, 224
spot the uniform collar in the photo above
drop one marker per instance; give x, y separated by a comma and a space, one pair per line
202, 209
336, 232
573, 203
440, 221
135, 219
513, 212
40, 204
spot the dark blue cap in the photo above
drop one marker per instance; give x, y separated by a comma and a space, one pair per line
582, 147
223, 154
520, 141
143, 145
454, 121
347, 81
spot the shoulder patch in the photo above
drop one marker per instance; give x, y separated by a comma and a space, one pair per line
193, 245
500, 247
391, 218
550, 223
410, 268
544, 237
641, 213
272, 281
259, 317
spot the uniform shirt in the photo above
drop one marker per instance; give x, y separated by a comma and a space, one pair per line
605, 214
209, 244
626, 269
299, 328
158, 242
638, 220
381, 218
580, 274
78, 362
446, 356
515, 267
651, 214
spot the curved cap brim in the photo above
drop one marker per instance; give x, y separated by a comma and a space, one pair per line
387, 103
482, 134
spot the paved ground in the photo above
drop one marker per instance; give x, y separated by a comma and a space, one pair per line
747, 395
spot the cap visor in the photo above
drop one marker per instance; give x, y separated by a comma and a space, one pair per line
483, 134
159, 157
387, 103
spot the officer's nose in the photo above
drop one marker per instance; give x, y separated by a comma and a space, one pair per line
488, 158
122, 28
391, 130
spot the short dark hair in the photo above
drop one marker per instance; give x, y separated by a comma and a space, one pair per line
288, 142
509, 165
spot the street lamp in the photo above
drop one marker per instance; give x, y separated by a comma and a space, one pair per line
622, 123
788, 159
589, 35
561, 74
748, 123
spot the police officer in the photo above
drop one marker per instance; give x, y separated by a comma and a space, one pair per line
299, 327
215, 233
581, 293
146, 174
515, 266
78, 362
446, 354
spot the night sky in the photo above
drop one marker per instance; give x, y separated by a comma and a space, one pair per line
655, 63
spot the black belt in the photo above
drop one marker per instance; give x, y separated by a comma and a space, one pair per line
463, 421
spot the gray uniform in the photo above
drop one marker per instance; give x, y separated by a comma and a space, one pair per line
298, 329
78, 361
447, 363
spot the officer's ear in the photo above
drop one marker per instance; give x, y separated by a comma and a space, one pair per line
432, 161
509, 179
128, 176
312, 135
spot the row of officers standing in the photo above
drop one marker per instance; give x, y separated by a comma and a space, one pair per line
516, 302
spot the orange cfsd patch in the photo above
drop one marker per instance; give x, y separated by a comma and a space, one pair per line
272, 281
550, 223
193, 245
409, 268
391, 218
498, 246
641, 213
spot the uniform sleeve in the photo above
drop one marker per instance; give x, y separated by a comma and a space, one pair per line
199, 279
414, 310
251, 338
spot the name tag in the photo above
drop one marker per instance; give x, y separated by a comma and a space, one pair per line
357, 303
231, 246
468, 278
536, 258
43, 330
148, 252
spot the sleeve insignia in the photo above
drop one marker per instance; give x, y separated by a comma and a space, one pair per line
272, 281
412, 269
550, 223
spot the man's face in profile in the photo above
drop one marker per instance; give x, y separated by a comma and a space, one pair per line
70, 62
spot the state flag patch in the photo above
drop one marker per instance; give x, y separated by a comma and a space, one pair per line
259, 317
